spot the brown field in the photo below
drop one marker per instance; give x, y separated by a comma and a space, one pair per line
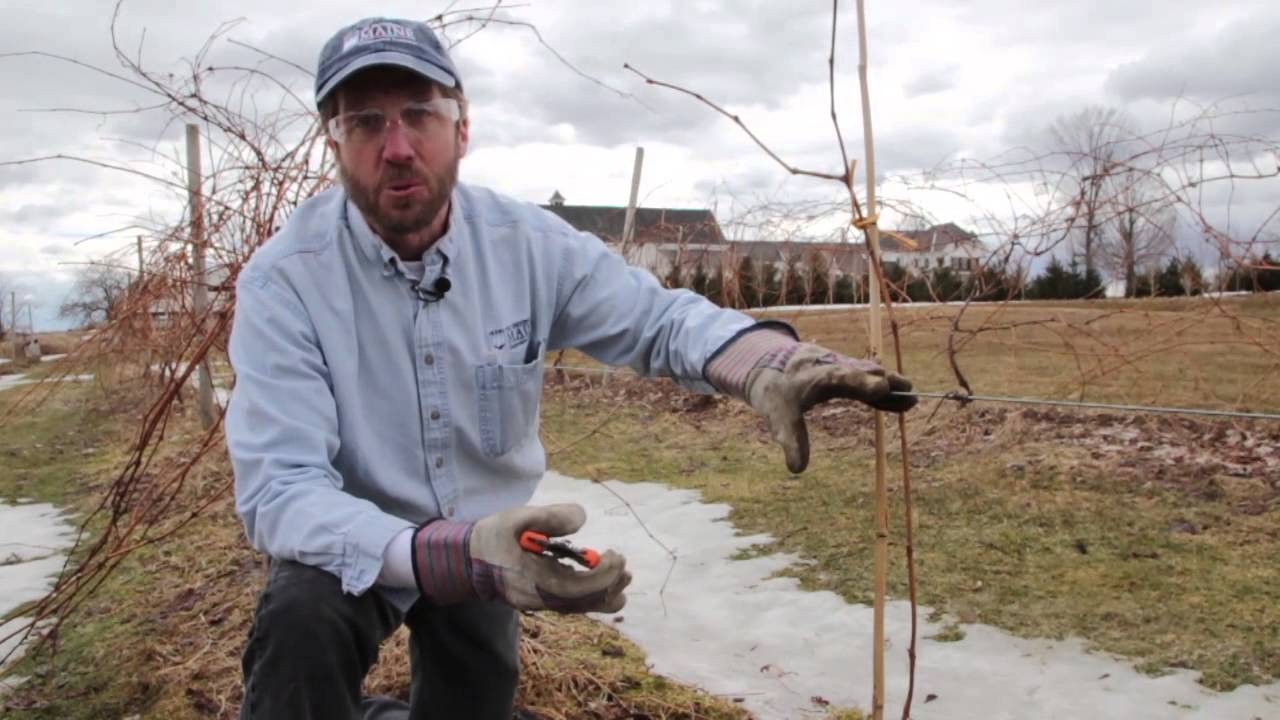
1182, 352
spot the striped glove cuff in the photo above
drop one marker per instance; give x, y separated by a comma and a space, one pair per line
762, 345
442, 561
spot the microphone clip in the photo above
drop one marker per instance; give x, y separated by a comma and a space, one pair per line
436, 292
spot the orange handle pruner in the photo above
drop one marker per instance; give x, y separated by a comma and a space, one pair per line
536, 542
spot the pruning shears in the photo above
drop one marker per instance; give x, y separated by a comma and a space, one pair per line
539, 544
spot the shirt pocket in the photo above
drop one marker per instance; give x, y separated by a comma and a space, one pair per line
508, 397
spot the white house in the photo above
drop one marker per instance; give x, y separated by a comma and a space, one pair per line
921, 252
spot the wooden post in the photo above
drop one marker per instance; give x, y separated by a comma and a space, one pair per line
876, 341
146, 312
629, 226
13, 325
199, 297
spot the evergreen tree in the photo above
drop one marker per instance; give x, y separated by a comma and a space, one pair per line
845, 290
1169, 281
747, 283
918, 289
673, 278
896, 277
946, 284
1143, 285
698, 283
1087, 284
818, 280
1055, 283
715, 288
988, 284
1192, 277
1269, 275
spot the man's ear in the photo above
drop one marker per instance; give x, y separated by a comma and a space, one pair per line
464, 135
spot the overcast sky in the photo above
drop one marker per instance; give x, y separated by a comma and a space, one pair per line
948, 80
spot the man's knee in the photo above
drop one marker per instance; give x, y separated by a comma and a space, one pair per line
304, 613
311, 645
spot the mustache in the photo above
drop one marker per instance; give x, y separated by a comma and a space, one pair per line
400, 173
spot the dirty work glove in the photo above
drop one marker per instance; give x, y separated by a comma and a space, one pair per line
782, 378
459, 561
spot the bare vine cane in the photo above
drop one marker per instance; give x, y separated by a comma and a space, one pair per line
879, 289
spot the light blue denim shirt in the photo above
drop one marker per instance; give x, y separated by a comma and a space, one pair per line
361, 410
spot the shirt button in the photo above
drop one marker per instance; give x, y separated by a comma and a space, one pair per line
429, 359
449, 511
435, 414
439, 461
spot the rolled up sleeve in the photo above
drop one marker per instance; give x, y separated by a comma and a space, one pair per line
282, 434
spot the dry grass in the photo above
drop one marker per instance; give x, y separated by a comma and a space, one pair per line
162, 637
1149, 537
1181, 352
1152, 537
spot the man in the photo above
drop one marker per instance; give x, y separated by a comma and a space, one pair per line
388, 347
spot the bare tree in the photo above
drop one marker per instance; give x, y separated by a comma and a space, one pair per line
1139, 231
1089, 140
97, 295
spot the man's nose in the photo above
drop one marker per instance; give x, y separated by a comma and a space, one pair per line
397, 148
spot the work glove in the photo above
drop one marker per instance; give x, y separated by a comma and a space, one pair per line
782, 379
459, 561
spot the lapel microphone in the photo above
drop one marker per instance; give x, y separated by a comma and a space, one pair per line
436, 292
438, 288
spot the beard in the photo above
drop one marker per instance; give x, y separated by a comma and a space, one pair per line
400, 218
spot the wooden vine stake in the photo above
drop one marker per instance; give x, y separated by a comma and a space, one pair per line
879, 295
876, 345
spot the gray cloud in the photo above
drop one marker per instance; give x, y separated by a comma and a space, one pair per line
930, 82
759, 54
755, 55
1081, 24
35, 214
1239, 59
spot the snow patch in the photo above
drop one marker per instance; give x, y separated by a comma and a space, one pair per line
732, 629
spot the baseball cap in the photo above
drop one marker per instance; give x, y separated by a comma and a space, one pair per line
383, 41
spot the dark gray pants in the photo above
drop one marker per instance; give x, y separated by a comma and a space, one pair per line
311, 646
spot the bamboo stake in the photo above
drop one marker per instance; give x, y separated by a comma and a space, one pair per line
876, 343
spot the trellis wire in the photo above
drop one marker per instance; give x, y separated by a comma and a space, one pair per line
964, 398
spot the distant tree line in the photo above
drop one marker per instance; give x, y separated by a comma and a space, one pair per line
787, 283
1059, 282
1262, 276
793, 283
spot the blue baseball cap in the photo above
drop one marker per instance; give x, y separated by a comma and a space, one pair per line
383, 41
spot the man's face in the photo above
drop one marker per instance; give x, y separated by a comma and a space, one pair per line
400, 181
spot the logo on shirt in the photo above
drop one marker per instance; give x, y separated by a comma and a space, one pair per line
511, 336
